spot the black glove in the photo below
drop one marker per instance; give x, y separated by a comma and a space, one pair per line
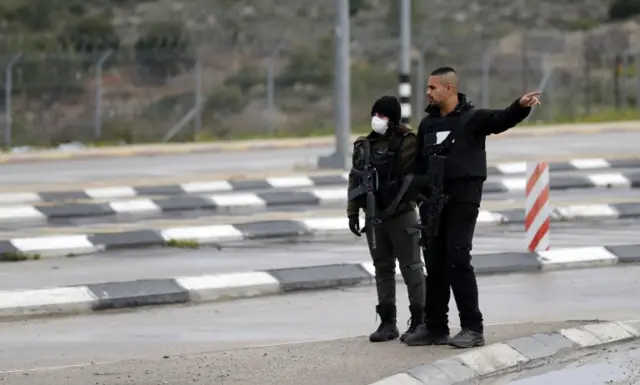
354, 224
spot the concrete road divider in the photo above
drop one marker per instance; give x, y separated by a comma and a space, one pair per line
612, 179
258, 202
502, 358
209, 288
218, 235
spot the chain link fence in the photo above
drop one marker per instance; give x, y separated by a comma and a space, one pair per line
287, 89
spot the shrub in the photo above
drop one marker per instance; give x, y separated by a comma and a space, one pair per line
624, 9
163, 51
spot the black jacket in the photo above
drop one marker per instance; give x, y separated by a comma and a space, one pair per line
466, 165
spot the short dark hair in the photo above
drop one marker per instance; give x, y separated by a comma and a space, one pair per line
442, 71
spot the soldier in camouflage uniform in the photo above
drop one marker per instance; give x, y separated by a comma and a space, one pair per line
393, 151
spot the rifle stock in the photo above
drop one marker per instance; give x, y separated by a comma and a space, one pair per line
368, 177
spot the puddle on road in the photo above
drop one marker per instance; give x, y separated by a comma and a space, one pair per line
615, 367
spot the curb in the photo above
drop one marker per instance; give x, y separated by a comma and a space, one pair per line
76, 244
211, 288
512, 355
302, 181
259, 202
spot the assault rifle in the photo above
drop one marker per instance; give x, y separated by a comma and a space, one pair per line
432, 205
368, 178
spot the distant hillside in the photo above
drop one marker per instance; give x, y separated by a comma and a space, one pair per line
148, 83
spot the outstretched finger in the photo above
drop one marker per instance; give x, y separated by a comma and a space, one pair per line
533, 94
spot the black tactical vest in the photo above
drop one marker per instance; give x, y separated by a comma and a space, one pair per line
383, 156
466, 157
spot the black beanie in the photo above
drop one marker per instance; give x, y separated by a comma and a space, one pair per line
388, 106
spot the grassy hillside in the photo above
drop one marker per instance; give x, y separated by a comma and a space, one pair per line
148, 79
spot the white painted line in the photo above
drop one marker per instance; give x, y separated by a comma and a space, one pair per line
512, 168
60, 242
28, 301
589, 164
110, 192
136, 205
514, 184
19, 197
485, 216
226, 200
612, 179
291, 181
211, 186
587, 211
331, 194
202, 233
576, 256
326, 224
21, 212
234, 285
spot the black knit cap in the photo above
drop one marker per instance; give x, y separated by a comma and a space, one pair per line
388, 106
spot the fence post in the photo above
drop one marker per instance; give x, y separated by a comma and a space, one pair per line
199, 102
486, 71
537, 207
420, 87
97, 125
636, 59
271, 78
8, 88
545, 82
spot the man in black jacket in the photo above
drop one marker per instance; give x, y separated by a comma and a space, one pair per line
448, 257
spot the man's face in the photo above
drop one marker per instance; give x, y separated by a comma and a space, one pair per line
437, 92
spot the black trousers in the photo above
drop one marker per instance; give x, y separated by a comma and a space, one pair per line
396, 239
448, 263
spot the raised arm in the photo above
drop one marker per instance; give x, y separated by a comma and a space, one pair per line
487, 121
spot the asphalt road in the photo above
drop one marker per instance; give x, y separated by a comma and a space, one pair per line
261, 255
147, 335
507, 149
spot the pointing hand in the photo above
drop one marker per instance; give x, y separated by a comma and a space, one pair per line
531, 99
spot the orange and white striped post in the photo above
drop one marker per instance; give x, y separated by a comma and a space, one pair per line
537, 207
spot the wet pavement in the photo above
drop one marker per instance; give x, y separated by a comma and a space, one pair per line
227, 339
612, 365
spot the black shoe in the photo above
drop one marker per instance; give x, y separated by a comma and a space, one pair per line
417, 319
467, 339
387, 330
423, 337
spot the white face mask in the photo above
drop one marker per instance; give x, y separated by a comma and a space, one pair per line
379, 125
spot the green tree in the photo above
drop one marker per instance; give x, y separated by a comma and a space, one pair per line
163, 51
624, 9
356, 6
90, 35
310, 65
37, 15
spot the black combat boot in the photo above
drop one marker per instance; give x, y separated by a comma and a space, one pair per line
417, 318
422, 337
388, 329
467, 339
